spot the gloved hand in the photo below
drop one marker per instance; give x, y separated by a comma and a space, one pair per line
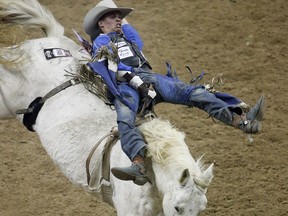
144, 91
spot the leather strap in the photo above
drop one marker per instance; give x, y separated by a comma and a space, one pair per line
51, 93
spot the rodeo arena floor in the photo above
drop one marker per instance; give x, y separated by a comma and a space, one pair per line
244, 41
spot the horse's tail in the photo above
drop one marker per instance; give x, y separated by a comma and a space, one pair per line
29, 14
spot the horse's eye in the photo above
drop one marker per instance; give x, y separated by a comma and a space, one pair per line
177, 209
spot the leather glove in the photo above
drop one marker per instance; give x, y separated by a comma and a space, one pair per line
145, 91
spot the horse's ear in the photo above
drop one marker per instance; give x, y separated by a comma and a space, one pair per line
185, 177
208, 174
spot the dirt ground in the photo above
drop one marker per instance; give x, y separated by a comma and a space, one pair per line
247, 42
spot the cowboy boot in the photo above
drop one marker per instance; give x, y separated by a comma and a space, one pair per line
247, 126
250, 122
257, 111
135, 172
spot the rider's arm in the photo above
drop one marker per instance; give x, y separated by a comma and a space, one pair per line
131, 34
101, 40
137, 83
124, 71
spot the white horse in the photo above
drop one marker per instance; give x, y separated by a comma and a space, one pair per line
73, 120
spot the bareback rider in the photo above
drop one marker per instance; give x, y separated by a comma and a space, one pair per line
106, 24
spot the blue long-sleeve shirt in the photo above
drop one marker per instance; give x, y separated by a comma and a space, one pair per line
129, 47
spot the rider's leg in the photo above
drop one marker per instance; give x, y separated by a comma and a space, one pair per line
229, 114
174, 91
132, 144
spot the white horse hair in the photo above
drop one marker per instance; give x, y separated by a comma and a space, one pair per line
71, 122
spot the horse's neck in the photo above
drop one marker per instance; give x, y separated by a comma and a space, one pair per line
164, 178
172, 164
143, 200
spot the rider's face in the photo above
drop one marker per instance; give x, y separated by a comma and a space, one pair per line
111, 22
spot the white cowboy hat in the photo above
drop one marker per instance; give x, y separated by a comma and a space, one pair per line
91, 19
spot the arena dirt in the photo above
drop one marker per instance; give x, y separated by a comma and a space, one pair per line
246, 42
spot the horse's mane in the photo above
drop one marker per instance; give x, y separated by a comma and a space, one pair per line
168, 148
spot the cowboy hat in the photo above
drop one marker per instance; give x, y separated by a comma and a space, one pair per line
91, 19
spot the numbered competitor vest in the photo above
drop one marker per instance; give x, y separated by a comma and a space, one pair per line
129, 53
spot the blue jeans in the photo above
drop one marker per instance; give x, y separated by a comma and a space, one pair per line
220, 106
131, 140
171, 91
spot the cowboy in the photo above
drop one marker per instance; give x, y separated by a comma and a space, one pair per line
106, 24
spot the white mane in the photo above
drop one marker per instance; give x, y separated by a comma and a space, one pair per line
167, 148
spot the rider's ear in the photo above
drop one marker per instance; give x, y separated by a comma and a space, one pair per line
100, 24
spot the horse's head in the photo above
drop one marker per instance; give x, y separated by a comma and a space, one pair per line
186, 197
180, 179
